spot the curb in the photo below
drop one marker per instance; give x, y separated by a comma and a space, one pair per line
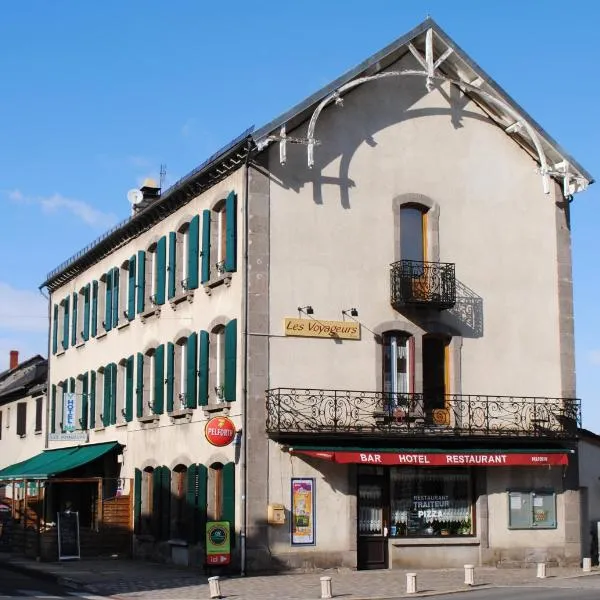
43, 575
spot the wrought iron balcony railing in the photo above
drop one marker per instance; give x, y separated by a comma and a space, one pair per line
342, 412
428, 284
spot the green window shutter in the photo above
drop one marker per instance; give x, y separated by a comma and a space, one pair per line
66, 316
137, 502
94, 324
106, 403
229, 497
159, 380
84, 401
92, 399
161, 269
53, 410
141, 280
191, 370
108, 302
203, 370
170, 375
72, 385
231, 232
205, 246
129, 389
74, 321
172, 268
191, 504
85, 334
115, 297
230, 360
156, 502
193, 252
202, 501
131, 289
139, 385
165, 481
55, 330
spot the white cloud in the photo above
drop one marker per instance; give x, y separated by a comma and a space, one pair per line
22, 310
187, 127
594, 357
51, 204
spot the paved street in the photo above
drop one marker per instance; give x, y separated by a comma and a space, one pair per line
534, 593
17, 585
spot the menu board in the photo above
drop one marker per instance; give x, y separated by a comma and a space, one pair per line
68, 536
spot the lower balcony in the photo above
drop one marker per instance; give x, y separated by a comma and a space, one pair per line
294, 412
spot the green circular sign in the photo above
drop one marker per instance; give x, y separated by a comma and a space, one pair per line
217, 535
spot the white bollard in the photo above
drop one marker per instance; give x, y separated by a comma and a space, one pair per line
541, 570
326, 587
214, 587
469, 574
587, 564
411, 583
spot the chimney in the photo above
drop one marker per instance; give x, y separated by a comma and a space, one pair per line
14, 359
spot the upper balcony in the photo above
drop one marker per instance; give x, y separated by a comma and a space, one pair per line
427, 284
343, 413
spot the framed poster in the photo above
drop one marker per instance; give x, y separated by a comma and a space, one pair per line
303, 512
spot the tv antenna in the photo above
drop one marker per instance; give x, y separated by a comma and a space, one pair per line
135, 196
163, 174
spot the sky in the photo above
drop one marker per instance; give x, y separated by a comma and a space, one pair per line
96, 96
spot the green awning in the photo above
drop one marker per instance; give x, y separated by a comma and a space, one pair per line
53, 462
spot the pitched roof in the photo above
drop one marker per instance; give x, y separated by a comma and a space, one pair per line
23, 379
457, 66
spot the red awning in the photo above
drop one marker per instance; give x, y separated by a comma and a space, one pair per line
439, 459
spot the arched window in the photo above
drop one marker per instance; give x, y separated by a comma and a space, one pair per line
178, 502
146, 512
398, 364
215, 492
219, 346
413, 233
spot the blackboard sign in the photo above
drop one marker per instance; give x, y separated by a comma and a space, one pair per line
68, 535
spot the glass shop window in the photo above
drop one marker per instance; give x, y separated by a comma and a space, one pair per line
532, 509
430, 502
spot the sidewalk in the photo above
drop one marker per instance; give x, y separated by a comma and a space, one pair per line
137, 579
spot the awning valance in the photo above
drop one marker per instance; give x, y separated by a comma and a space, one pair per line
437, 458
54, 462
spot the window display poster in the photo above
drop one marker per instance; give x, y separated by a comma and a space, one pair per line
303, 512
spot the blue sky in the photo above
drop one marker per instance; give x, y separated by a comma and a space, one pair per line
97, 95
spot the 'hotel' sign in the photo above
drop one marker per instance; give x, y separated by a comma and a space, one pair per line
341, 330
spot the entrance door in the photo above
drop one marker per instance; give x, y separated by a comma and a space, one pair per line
372, 519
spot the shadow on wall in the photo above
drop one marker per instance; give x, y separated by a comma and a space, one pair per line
367, 110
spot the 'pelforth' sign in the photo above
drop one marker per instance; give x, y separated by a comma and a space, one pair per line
341, 330
220, 431
442, 459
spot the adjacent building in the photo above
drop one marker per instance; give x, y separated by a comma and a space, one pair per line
347, 336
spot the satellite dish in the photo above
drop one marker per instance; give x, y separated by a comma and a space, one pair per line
135, 196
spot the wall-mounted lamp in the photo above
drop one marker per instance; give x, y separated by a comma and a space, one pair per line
306, 309
350, 311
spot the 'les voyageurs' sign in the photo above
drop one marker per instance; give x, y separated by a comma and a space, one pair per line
341, 330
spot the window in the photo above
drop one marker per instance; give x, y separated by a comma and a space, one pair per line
21, 419
146, 501
215, 492
55, 329
413, 227
398, 364
102, 293
148, 388
121, 391
84, 327
124, 291
178, 502
131, 287
180, 373
220, 239
430, 502
532, 509
156, 272
219, 338
39, 405
181, 259
77, 320
150, 275
65, 323
436, 358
